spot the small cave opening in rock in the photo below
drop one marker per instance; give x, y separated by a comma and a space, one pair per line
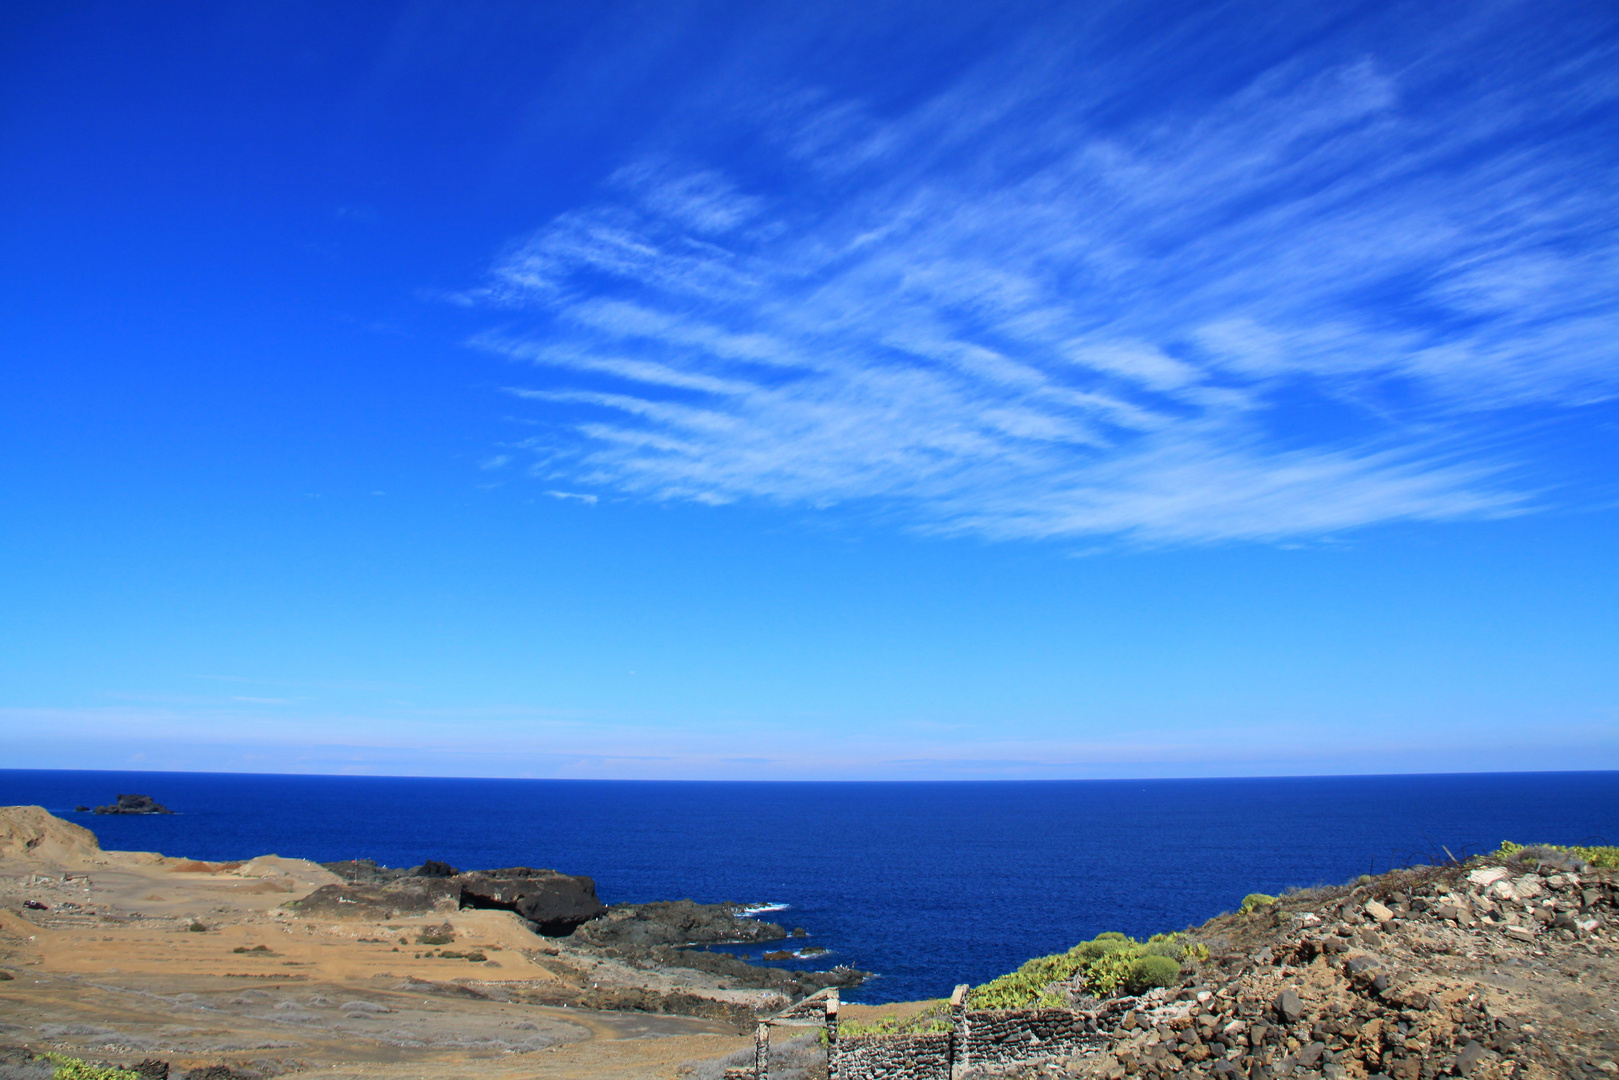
552, 928
550, 904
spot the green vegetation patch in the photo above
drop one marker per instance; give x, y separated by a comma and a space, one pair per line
68, 1068
1256, 900
1107, 965
1605, 856
933, 1020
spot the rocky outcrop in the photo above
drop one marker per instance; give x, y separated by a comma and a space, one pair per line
791, 984
32, 832
551, 903
134, 804
365, 872
677, 922
376, 903
368, 872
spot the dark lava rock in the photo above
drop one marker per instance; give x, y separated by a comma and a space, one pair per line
554, 904
551, 903
365, 872
434, 868
737, 972
378, 902
134, 804
678, 922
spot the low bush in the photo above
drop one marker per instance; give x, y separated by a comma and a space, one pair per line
1106, 965
1256, 900
68, 1068
1149, 971
1606, 856
933, 1020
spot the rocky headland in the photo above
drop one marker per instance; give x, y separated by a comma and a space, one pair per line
274, 965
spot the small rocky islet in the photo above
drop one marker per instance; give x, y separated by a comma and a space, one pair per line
128, 804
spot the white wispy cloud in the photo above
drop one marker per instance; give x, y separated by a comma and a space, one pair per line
1291, 311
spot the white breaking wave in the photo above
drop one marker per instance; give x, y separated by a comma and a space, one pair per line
760, 909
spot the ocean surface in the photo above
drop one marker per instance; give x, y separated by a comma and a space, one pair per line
926, 884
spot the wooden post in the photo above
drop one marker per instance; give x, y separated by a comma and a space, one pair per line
832, 1035
761, 1052
958, 1033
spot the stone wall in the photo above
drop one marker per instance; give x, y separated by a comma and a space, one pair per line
976, 1037
1005, 1036
979, 1037
908, 1057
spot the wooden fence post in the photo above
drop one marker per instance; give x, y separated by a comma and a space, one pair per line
761, 1052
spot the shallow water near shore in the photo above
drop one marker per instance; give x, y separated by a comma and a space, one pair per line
927, 884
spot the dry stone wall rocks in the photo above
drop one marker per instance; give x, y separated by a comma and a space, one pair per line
912, 1057
1011, 1035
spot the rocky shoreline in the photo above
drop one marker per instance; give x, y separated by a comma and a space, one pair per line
1498, 968
655, 936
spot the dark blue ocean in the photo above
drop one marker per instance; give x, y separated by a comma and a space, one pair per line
927, 884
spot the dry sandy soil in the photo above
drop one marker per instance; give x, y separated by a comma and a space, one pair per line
114, 971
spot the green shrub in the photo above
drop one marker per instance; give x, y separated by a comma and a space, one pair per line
68, 1068
1146, 972
1255, 900
1108, 964
1606, 856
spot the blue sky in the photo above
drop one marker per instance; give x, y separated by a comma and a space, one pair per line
838, 390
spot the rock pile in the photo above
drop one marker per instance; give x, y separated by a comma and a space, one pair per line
1409, 976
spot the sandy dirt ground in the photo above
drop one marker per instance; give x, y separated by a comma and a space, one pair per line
140, 956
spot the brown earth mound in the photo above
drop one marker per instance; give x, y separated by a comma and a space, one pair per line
31, 832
